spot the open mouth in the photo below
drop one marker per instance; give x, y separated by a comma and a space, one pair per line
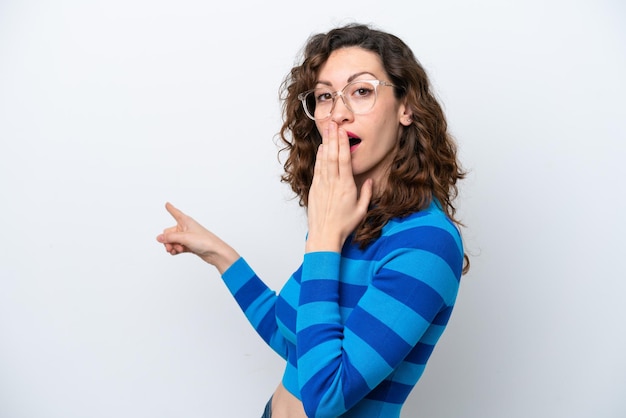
354, 140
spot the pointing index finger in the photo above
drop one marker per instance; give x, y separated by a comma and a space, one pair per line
176, 214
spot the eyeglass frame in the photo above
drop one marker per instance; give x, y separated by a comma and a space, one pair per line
302, 97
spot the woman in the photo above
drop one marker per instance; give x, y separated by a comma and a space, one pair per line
370, 158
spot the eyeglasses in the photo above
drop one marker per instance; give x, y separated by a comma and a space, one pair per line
358, 96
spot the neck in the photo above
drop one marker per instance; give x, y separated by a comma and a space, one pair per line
378, 185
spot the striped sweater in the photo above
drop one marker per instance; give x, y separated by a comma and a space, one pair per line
357, 328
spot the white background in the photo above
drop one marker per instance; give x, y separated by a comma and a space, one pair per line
110, 108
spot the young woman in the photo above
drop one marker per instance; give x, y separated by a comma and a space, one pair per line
370, 158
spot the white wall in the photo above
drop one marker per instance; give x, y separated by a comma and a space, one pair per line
110, 108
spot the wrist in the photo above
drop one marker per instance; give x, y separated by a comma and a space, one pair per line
323, 243
222, 258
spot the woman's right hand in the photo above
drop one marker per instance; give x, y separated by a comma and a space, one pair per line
335, 206
188, 236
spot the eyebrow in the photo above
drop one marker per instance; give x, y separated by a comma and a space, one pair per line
350, 79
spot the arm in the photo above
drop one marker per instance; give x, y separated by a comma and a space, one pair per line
257, 302
339, 363
255, 299
407, 302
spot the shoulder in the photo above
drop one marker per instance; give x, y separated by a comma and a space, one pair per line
428, 232
433, 218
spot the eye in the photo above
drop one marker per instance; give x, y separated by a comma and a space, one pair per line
323, 96
361, 91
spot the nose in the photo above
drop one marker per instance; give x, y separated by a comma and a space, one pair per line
340, 112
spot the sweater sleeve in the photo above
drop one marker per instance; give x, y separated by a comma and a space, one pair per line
340, 363
257, 302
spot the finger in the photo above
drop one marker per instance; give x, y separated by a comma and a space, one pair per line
332, 150
324, 160
161, 237
365, 196
344, 157
317, 169
175, 248
178, 249
176, 213
172, 238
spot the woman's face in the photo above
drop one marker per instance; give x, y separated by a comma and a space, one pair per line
379, 128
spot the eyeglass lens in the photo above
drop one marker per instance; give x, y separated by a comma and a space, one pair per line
358, 96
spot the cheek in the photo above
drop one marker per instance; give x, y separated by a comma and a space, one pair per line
389, 132
388, 120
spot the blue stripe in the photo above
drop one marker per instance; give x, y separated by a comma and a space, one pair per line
408, 373
286, 313
412, 292
407, 323
356, 272
372, 408
323, 264
354, 385
292, 357
249, 292
290, 293
426, 218
364, 357
443, 317
428, 267
433, 217
371, 253
237, 275
428, 238
315, 388
420, 353
290, 377
314, 313
390, 392
350, 294
432, 334
379, 336
354, 252
319, 291
267, 326
312, 336
297, 275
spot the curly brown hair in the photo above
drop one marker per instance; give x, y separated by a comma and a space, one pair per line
425, 165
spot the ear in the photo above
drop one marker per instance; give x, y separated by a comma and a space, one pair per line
405, 114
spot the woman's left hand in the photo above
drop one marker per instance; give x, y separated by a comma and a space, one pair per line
335, 207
